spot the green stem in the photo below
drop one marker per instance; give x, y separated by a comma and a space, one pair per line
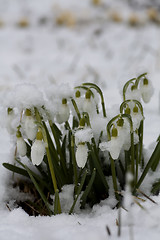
114, 178
78, 192
74, 163
140, 142
132, 155
137, 162
76, 108
94, 86
126, 86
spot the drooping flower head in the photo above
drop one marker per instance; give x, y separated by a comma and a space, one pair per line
88, 104
81, 155
30, 126
38, 149
147, 90
21, 145
63, 112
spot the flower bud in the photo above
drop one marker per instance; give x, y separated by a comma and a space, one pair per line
78, 94
38, 150
63, 112
127, 110
82, 123
81, 155
21, 145
30, 126
114, 132
146, 90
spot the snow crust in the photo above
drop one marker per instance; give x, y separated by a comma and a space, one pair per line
38, 64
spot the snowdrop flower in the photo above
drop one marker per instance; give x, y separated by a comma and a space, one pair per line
79, 100
147, 90
30, 126
136, 118
88, 104
123, 128
82, 136
63, 112
114, 145
21, 145
81, 155
38, 149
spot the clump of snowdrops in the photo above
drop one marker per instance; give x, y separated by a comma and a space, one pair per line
83, 148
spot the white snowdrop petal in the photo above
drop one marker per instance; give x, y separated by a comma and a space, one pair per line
37, 152
21, 147
30, 127
89, 106
81, 155
114, 148
136, 118
147, 92
63, 113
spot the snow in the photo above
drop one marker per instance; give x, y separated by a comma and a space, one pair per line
38, 61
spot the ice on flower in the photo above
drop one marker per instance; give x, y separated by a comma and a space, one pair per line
147, 90
37, 152
81, 155
21, 147
30, 127
83, 135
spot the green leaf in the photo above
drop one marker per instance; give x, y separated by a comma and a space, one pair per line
78, 191
156, 187
57, 209
95, 159
153, 159
40, 191
88, 189
16, 169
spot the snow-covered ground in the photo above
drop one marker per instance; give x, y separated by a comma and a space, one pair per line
45, 53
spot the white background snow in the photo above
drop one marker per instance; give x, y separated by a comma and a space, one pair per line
43, 54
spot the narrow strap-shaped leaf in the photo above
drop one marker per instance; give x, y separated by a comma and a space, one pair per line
88, 189
98, 167
155, 157
38, 178
57, 209
56, 135
75, 123
39, 190
156, 187
76, 108
78, 192
114, 178
16, 169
